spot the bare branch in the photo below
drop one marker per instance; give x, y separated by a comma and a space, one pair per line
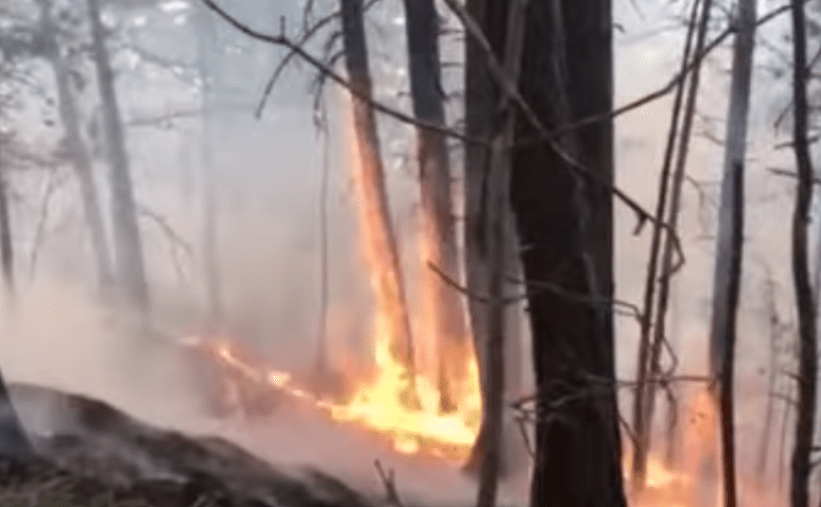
281, 40
308, 34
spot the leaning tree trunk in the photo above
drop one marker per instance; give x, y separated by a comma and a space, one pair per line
443, 303
127, 241
374, 210
727, 277
653, 366
77, 152
642, 433
807, 350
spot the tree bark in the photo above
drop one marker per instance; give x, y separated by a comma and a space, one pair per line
481, 108
667, 259
729, 244
444, 307
577, 442
807, 359
374, 210
77, 152
127, 242
642, 433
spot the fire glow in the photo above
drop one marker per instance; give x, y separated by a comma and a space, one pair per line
376, 406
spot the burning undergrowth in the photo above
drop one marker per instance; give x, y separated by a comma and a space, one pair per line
235, 380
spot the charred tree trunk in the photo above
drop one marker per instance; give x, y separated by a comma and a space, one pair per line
577, 441
807, 359
77, 152
728, 265
495, 211
481, 110
444, 303
127, 242
375, 212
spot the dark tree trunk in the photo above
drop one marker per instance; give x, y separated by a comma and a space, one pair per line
375, 212
444, 306
6, 247
728, 266
481, 109
807, 355
566, 226
77, 152
127, 242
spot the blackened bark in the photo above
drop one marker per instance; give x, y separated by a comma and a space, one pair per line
577, 447
390, 287
807, 355
481, 115
127, 242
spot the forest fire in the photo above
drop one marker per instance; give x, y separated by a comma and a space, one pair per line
375, 404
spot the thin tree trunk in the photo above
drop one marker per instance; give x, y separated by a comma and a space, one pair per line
497, 220
481, 108
207, 49
807, 359
127, 241
77, 152
667, 263
772, 317
729, 245
444, 306
6, 246
375, 212
640, 417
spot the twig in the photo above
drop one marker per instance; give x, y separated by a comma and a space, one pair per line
784, 172
166, 228
520, 422
175, 239
389, 481
51, 186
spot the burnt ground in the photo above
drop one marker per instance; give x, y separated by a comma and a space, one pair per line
92, 454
